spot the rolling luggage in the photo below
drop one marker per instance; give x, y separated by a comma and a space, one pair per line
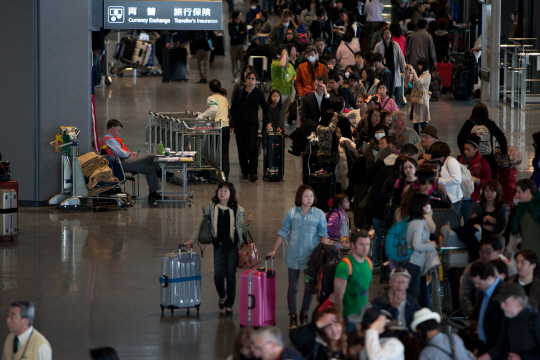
258, 306
464, 79
324, 186
9, 214
454, 259
174, 64
127, 48
13, 185
181, 281
142, 53
273, 156
445, 72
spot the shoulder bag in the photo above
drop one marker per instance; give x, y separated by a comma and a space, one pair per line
248, 255
205, 231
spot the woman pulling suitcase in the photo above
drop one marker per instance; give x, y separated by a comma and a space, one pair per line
303, 227
228, 231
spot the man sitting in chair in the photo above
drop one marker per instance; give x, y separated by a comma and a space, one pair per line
112, 144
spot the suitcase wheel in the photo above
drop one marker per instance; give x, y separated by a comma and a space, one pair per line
162, 310
198, 306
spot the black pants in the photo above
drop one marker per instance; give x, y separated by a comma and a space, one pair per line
225, 264
226, 138
246, 140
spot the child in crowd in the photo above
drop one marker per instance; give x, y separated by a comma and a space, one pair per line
277, 117
338, 221
384, 142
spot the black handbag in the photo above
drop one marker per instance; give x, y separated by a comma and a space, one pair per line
205, 231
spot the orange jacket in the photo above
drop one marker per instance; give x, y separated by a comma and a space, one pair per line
306, 76
109, 151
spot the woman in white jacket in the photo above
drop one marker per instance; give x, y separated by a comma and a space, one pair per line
419, 113
449, 173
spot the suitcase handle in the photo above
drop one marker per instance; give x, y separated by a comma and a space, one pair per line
271, 273
166, 283
180, 250
252, 302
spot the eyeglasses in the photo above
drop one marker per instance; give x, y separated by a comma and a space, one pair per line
486, 252
251, 78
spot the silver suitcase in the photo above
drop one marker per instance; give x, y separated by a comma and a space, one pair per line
8, 213
180, 281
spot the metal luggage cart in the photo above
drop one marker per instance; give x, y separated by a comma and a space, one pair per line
121, 64
183, 132
74, 193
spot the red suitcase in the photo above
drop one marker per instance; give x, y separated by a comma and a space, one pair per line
258, 297
13, 185
445, 71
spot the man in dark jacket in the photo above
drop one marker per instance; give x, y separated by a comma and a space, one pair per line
238, 33
245, 121
267, 344
316, 103
383, 73
396, 301
519, 336
487, 311
322, 28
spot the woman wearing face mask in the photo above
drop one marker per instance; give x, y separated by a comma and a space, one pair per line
365, 134
371, 149
480, 171
417, 237
323, 339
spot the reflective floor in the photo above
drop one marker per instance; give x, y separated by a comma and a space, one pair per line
93, 276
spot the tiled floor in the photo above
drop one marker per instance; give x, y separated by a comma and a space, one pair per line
93, 276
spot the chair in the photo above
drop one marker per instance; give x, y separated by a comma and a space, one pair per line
130, 177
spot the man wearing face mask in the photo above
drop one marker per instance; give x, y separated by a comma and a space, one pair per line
254, 9
513, 30
322, 28
280, 30
526, 219
308, 71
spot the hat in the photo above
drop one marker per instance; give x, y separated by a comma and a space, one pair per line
354, 75
373, 98
510, 289
399, 271
368, 315
424, 315
430, 130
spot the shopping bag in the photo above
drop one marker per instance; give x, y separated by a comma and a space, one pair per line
417, 97
248, 255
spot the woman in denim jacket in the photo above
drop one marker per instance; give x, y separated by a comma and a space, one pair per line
225, 213
303, 229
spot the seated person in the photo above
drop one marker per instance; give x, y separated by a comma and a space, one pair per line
491, 248
488, 216
136, 162
396, 301
429, 136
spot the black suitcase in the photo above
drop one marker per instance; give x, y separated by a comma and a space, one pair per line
128, 49
273, 156
174, 64
464, 80
444, 217
324, 186
219, 46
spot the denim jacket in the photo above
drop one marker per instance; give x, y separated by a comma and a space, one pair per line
302, 234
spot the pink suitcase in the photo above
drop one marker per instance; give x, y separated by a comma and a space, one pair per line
258, 297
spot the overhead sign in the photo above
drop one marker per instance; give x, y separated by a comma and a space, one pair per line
163, 15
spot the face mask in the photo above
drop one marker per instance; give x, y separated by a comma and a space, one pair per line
285, 24
428, 208
516, 201
513, 17
379, 136
253, 7
347, 75
312, 59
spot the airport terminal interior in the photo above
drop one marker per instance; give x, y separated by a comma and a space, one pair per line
93, 275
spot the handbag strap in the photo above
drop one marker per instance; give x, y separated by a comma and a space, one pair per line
348, 47
245, 237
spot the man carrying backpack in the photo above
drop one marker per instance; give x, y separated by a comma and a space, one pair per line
352, 278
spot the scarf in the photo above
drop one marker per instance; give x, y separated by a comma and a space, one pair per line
218, 207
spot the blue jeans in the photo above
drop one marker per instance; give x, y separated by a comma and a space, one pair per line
414, 284
465, 211
377, 239
225, 265
397, 95
457, 206
294, 279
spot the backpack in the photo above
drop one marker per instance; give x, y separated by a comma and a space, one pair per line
325, 280
467, 183
395, 245
485, 138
